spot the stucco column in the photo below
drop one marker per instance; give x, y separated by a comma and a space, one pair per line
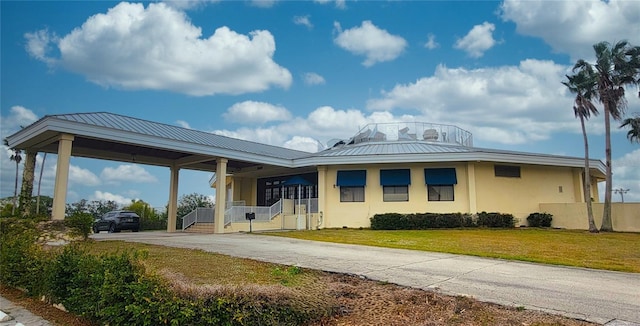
221, 194
322, 189
172, 209
471, 183
578, 187
65, 143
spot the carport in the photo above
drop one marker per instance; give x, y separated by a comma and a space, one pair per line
109, 136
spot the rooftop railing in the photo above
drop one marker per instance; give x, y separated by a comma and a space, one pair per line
418, 131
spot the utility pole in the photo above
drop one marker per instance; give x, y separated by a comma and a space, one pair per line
621, 192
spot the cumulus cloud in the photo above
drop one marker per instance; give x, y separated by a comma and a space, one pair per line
263, 3
18, 116
311, 78
572, 27
376, 44
251, 112
486, 101
478, 40
340, 4
107, 196
183, 124
431, 42
127, 173
83, 177
303, 20
305, 144
626, 175
188, 4
158, 48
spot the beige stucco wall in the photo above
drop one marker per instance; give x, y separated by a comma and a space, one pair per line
625, 217
340, 214
290, 223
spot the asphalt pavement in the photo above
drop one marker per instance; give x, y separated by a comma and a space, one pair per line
604, 297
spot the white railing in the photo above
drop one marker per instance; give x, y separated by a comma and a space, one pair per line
206, 214
237, 214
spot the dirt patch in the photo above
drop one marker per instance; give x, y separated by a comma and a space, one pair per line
367, 302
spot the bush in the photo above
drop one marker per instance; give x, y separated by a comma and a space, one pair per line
80, 224
420, 221
496, 220
539, 219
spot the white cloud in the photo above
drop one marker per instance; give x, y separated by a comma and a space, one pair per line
131, 173
486, 102
107, 196
431, 42
340, 4
251, 112
626, 175
84, 177
572, 27
311, 78
478, 40
305, 144
183, 124
188, 4
263, 3
17, 117
376, 44
158, 48
303, 20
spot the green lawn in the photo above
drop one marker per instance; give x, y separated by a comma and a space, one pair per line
611, 251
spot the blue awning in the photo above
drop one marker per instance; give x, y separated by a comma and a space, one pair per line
296, 181
444, 176
353, 178
399, 177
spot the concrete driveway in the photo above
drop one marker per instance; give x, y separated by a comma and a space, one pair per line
603, 297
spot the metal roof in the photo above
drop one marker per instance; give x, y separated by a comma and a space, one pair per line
390, 148
166, 131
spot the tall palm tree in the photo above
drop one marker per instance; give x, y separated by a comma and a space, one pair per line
584, 85
634, 128
617, 66
26, 191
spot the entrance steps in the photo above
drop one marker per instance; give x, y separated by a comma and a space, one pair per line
206, 228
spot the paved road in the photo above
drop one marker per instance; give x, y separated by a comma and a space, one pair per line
593, 295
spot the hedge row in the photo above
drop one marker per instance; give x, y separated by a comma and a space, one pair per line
422, 221
115, 289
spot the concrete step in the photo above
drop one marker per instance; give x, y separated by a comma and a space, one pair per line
201, 228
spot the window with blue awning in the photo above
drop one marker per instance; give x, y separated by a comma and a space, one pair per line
398, 177
353, 178
442, 176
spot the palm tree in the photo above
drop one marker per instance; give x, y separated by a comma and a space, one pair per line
16, 156
617, 66
583, 84
26, 191
634, 124
44, 159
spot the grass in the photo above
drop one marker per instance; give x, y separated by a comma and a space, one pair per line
202, 267
609, 251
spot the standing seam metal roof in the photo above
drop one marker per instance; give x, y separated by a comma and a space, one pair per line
145, 127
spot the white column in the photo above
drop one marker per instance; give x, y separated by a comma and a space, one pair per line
172, 209
322, 188
471, 182
221, 194
62, 176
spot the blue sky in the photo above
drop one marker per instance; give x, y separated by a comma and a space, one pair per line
293, 73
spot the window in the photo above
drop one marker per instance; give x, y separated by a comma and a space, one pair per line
440, 183
395, 193
440, 193
507, 171
352, 194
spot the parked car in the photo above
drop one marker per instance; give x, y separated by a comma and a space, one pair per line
115, 221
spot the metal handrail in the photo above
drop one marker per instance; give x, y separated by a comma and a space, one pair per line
237, 214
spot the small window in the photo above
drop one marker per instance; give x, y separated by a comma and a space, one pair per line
508, 171
351, 194
395, 193
440, 193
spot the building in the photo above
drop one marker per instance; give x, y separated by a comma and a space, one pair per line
396, 167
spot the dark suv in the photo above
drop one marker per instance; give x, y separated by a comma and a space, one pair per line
115, 221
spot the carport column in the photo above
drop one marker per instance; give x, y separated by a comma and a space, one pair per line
322, 190
172, 209
221, 194
578, 187
471, 182
62, 176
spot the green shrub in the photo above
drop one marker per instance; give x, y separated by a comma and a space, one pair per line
539, 219
80, 224
420, 221
388, 221
496, 220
